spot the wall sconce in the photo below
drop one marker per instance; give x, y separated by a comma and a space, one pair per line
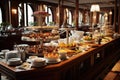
14, 11
110, 12
57, 14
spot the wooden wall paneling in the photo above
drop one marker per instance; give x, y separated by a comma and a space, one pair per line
53, 9
119, 16
76, 13
5, 10
14, 17
115, 11
60, 3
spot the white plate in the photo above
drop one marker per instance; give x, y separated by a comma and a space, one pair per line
53, 62
14, 61
1, 53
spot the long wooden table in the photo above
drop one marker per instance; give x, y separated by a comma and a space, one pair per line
82, 66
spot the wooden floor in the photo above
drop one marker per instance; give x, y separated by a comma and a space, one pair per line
114, 74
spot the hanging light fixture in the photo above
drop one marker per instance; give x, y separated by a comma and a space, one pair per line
95, 8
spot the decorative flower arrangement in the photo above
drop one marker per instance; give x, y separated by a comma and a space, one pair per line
41, 13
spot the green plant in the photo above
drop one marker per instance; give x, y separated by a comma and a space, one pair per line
51, 23
32, 23
4, 24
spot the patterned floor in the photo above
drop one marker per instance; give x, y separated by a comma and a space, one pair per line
114, 74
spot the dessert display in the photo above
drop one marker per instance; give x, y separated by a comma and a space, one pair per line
47, 36
50, 48
40, 15
39, 51
56, 50
41, 28
108, 30
41, 34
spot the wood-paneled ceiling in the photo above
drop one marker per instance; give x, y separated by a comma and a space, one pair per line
85, 3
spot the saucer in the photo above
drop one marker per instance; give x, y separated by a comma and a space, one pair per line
53, 62
14, 61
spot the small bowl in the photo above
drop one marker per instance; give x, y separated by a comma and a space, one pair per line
51, 57
38, 62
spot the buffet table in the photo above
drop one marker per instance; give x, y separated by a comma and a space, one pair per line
82, 66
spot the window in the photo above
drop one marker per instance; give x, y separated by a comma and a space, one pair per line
80, 18
19, 15
26, 16
48, 19
30, 17
0, 15
69, 17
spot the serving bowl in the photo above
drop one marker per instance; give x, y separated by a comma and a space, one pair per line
38, 62
51, 57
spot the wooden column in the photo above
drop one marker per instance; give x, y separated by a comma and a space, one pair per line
9, 3
90, 19
119, 17
26, 14
83, 16
6, 12
59, 12
110, 17
14, 16
76, 14
115, 16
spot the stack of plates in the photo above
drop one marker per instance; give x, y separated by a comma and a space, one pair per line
14, 61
